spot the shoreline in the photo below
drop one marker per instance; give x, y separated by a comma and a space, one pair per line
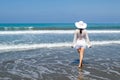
62, 63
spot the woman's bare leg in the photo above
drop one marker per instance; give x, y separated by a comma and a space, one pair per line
81, 55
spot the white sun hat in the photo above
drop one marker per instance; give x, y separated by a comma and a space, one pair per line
80, 25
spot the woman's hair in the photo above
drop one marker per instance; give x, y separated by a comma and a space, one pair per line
80, 31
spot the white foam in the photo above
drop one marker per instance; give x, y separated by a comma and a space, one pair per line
48, 45
116, 72
105, 42
31, 46
56, 31
37, 32
103, 31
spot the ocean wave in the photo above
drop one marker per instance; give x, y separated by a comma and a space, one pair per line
56, 31
19, 47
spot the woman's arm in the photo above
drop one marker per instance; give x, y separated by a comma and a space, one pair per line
88, 40
75, 38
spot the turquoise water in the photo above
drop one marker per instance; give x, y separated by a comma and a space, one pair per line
58, 26
28, 36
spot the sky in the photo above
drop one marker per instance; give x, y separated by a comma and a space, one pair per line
59, 11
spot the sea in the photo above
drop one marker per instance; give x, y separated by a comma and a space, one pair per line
42, 51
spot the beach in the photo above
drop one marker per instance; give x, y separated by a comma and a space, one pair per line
100, 63
36, 39
47, 54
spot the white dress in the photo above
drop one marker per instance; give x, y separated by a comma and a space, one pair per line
81, 40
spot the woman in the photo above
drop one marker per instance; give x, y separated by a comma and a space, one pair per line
81, 40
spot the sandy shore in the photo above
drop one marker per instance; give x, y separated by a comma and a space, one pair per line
100, 63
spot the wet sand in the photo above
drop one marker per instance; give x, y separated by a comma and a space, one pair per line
100, 63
